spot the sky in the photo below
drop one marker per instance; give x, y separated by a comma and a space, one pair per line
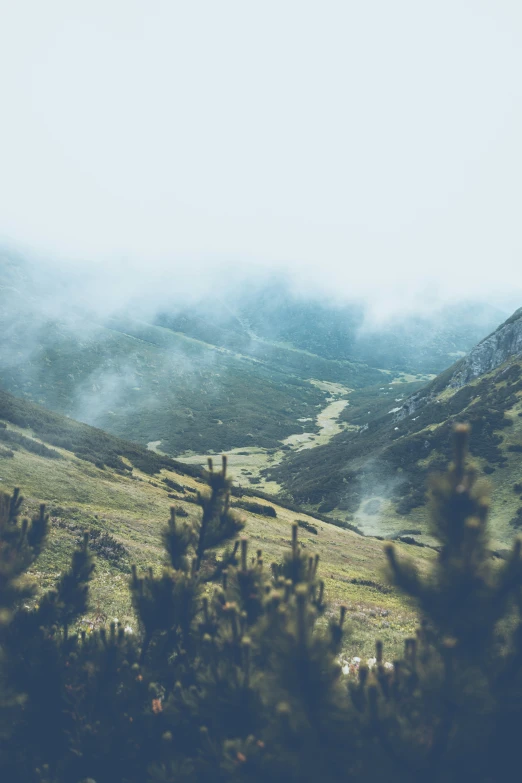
363, 148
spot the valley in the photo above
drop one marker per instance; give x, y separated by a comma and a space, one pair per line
404, 438
130, 506
352, 457
321, 417
145, 382
248, 464
260, 392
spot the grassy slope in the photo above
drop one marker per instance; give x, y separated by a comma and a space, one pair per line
159, 386
132, 507
282, 356
425, 342
387, 463
148, 383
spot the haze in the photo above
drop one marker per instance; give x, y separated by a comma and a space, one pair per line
368, 149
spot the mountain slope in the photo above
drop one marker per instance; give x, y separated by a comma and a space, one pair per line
423, 342
147, 382
377, 475
123, 508
229, 372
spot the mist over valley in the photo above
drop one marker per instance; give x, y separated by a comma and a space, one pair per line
310, 397
260, 392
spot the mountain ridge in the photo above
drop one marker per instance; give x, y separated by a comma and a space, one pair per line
387, 460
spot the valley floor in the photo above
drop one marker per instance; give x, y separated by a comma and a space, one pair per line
133, 509
247, 462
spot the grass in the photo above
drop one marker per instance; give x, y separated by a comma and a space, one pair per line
133, 507
389, 457
146, 382
248, 465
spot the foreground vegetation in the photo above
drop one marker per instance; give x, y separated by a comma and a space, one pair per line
123, 510
234, 673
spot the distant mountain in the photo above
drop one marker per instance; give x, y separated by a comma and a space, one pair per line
151, 383
412, 343
222, 374
376, 475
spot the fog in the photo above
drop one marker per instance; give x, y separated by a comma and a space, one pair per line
358, 149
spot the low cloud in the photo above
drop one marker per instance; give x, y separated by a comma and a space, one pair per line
185, 161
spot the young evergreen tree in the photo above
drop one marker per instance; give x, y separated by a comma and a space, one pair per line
20, 545
235, 674
447, 710
34, 643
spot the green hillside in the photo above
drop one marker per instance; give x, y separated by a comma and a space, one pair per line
150, 383
221, 374
374, 474
423, 342
125, 498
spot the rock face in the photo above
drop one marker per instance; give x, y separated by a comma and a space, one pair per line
504, 343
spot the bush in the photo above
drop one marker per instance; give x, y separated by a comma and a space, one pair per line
516, 521
107, 547
242, 682
370, 583
326, 507
11, 436
307, 526
409, 540
257, 508
174, 485
414, 499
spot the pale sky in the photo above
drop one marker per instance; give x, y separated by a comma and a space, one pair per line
369, 147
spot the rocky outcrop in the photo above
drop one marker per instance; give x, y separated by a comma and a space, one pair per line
412, 404
503, 344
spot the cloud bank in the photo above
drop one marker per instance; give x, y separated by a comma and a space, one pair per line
359, 149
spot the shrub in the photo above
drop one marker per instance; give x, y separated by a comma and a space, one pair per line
370, 583
16, 438
174, 485
516, 521
307, 526
326, 507
241, 682
257, 508
409, 540
107, 547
